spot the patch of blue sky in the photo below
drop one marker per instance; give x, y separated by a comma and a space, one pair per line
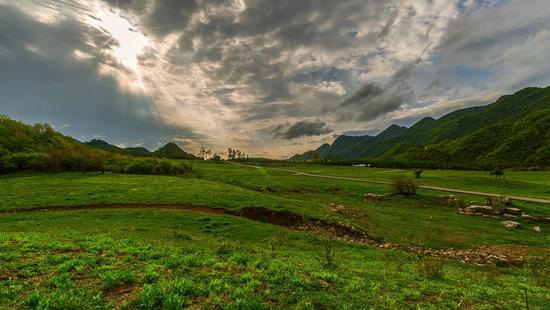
466, 72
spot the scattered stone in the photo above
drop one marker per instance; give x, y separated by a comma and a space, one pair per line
449, 199
489, 201
375, 197
526, 216
507, 202
513, 211
336, 208
477, 210
537, 229
511, 224
510, 216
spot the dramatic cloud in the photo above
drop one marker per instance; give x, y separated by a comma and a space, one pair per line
227, 73
301, 129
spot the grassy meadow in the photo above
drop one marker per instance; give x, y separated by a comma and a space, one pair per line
163, 258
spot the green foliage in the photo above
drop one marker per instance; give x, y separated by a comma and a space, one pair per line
326, 254
172, 151
112, 279
403, 185
150, 275
540, 269
431, 267
40, 148
418, 173
513, 132
498, 173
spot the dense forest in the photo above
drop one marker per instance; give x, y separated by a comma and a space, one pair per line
513, 132
40, 148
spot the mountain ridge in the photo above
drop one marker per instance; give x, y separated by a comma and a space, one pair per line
467, 130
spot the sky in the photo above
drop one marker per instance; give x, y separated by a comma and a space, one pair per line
272, 78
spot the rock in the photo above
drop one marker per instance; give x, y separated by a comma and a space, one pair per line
526, 216
507, 201
375, 197
537, 229
511, 224
512, 211
510, 216
336, 208
544, 219
449, 199
475, 210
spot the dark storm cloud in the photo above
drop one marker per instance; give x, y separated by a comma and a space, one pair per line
373, 100
252, 47
301, 129
169, 15
41, 80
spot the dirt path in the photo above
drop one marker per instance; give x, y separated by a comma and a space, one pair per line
492, 255
433, 188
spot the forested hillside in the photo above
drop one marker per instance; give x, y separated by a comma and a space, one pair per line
40, 148
512, 132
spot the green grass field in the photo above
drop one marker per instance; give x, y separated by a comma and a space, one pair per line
164, 258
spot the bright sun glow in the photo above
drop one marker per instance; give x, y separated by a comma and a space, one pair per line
131, 42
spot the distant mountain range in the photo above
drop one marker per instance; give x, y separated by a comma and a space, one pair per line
514, 131
18, 137
169, 150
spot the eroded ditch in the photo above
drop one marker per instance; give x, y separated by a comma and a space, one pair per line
492, 255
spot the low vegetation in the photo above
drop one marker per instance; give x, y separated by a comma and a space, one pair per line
112, 230
403, 185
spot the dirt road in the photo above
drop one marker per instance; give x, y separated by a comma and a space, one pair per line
433, 188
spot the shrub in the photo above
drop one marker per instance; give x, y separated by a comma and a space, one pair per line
150, 276
173, 301
326, 255
431, 267
179, 233
30, 161
166, 167
540, 268
182, 169
402, 185
142, 166
418, 173
498, 173
112, 279
225, 249
6, 163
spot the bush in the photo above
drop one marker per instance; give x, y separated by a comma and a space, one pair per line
30, 161
402, 185
6, 163
418, 173
431, 267
326, 255
498, 173
179, 233
113, 279
540, 268
142, 166
150, 276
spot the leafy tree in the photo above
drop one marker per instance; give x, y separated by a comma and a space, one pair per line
498, 173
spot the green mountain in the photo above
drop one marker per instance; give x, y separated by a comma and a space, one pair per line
138, 151
105, 146
172, 151
102, 145
511, 132
40, 148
